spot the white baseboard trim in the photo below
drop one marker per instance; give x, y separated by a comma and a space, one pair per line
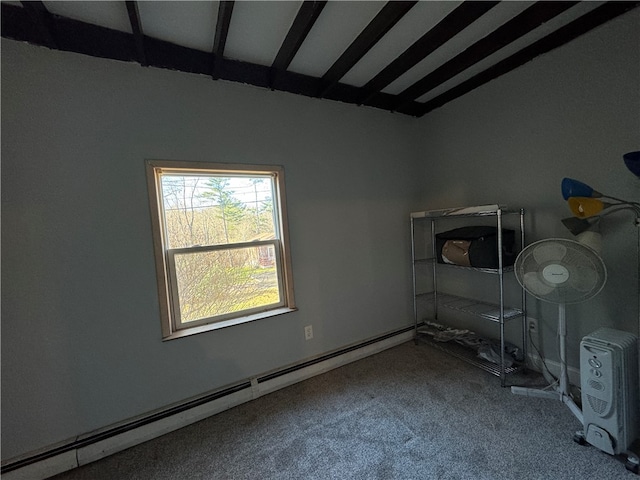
42, 469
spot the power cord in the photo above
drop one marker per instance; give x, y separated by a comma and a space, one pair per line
535, 347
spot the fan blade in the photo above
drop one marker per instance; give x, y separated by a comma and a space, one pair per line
548, 252
583, 278
535, 286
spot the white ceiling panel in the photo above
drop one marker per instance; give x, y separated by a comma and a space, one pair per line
494, 18
336, 28
105, 14
258, 29
514, 47
410, 28
189, 24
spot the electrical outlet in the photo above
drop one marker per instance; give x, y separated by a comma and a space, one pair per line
308, 332
533, 325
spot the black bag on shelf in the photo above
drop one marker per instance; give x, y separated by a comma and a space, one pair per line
476, 246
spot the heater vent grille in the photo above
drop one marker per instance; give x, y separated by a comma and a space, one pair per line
596, 385
597, 405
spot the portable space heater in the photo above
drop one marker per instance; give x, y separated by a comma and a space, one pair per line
609, 381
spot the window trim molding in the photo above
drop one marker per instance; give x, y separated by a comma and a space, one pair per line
153, 169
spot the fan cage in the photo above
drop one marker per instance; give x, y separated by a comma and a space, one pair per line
586, 271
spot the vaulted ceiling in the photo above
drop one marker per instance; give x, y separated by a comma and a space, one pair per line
404, 56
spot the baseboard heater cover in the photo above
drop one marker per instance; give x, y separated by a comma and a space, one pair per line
92, 447
329, 356
65, 452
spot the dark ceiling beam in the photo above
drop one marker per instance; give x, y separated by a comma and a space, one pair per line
43, 20
71, 35
563, 35
518, 26
447, 28
386, 18
103, 42
136, 28
225, 10
79, 37
306, 17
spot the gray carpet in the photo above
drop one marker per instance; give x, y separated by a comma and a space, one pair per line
410, 412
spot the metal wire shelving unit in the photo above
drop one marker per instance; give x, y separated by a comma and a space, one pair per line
439, 300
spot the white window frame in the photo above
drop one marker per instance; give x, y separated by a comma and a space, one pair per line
172, 326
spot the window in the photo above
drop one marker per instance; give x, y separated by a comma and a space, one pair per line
220, 240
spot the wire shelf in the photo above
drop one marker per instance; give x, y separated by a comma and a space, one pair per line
423, 261
489, 311
467, 354
478, 269
480, 211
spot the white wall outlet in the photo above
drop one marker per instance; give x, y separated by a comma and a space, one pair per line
533, 339
308, 332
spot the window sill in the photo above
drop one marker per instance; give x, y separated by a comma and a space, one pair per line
227, 323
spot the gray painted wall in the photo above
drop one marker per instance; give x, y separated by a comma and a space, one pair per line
81, 338
570, 113
81, 344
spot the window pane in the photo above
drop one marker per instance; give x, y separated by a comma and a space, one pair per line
225, 281
216, 210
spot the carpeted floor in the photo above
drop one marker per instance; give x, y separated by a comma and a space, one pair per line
411, 412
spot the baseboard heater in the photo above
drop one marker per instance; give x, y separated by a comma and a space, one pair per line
37, 465
112, 432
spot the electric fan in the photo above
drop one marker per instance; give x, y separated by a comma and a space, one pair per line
559, 271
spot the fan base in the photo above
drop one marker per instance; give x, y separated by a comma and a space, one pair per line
555, 394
